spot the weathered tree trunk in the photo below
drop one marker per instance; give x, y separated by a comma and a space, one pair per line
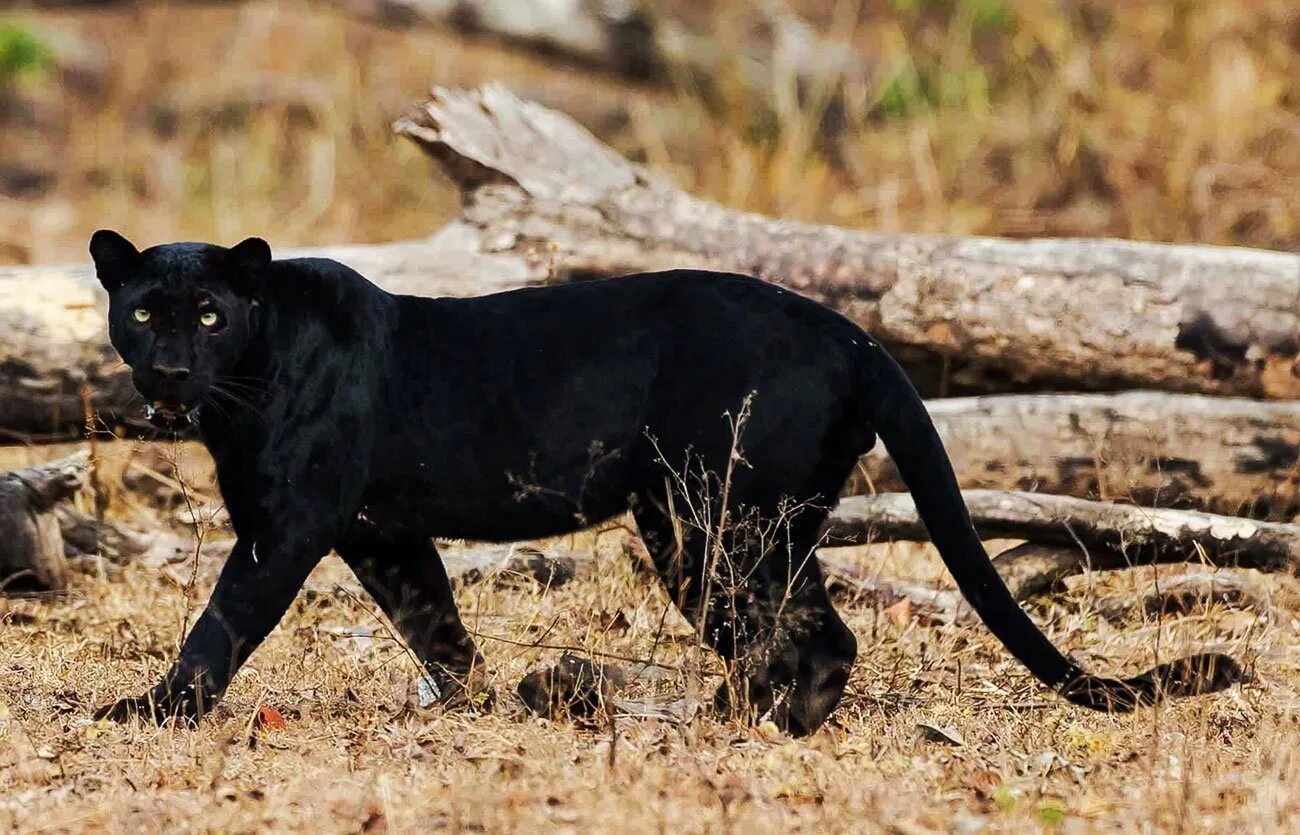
994, 313
1106, 536
31, 543
1226, 455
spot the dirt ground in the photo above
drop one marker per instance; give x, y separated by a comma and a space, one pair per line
940, 729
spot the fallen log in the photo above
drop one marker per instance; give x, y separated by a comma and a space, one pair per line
44, 538
1170, 596
1226, 455
774, 53
1106, 536
993, 314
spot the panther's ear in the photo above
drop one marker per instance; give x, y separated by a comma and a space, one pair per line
252, 253
114, 257
251, 256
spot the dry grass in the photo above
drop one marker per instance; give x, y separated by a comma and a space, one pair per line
356, 756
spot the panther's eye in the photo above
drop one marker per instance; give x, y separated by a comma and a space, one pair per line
141, 315
209, 318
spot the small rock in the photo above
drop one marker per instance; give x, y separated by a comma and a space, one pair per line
574, 687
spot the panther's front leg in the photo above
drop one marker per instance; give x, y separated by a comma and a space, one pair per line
258, 583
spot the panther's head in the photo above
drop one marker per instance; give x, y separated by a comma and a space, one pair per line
180, 315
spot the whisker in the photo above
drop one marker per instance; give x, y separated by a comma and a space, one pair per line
212, 403
254, 390
219, 390
234, 397
245, 382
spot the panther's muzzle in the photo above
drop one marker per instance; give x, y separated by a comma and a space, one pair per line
171, 415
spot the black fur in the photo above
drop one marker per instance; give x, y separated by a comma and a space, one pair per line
725, 412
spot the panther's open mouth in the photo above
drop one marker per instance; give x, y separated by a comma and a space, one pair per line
171, 415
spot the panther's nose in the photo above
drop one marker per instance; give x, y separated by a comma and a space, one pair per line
171, 372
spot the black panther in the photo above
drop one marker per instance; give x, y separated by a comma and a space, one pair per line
724, 412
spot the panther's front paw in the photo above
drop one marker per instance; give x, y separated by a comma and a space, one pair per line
126, 710
157, 706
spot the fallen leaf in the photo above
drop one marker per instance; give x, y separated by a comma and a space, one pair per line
900, 614
937, 733
268, 718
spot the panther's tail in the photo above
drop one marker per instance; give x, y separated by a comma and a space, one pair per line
899, 417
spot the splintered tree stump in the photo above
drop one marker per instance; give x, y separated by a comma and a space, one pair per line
31, 543
44, 538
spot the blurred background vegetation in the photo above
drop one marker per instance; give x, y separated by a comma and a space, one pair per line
1167, 120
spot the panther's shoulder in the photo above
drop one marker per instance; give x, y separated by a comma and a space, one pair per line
349, 304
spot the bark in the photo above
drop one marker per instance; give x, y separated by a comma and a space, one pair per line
995, 313
1032, 569
1108, 536
31, 543
1225, 455
86, 536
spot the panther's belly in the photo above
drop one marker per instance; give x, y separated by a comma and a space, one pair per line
503, 504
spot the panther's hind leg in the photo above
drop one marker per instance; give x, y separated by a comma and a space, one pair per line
756, 585
818, 655
406, 577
